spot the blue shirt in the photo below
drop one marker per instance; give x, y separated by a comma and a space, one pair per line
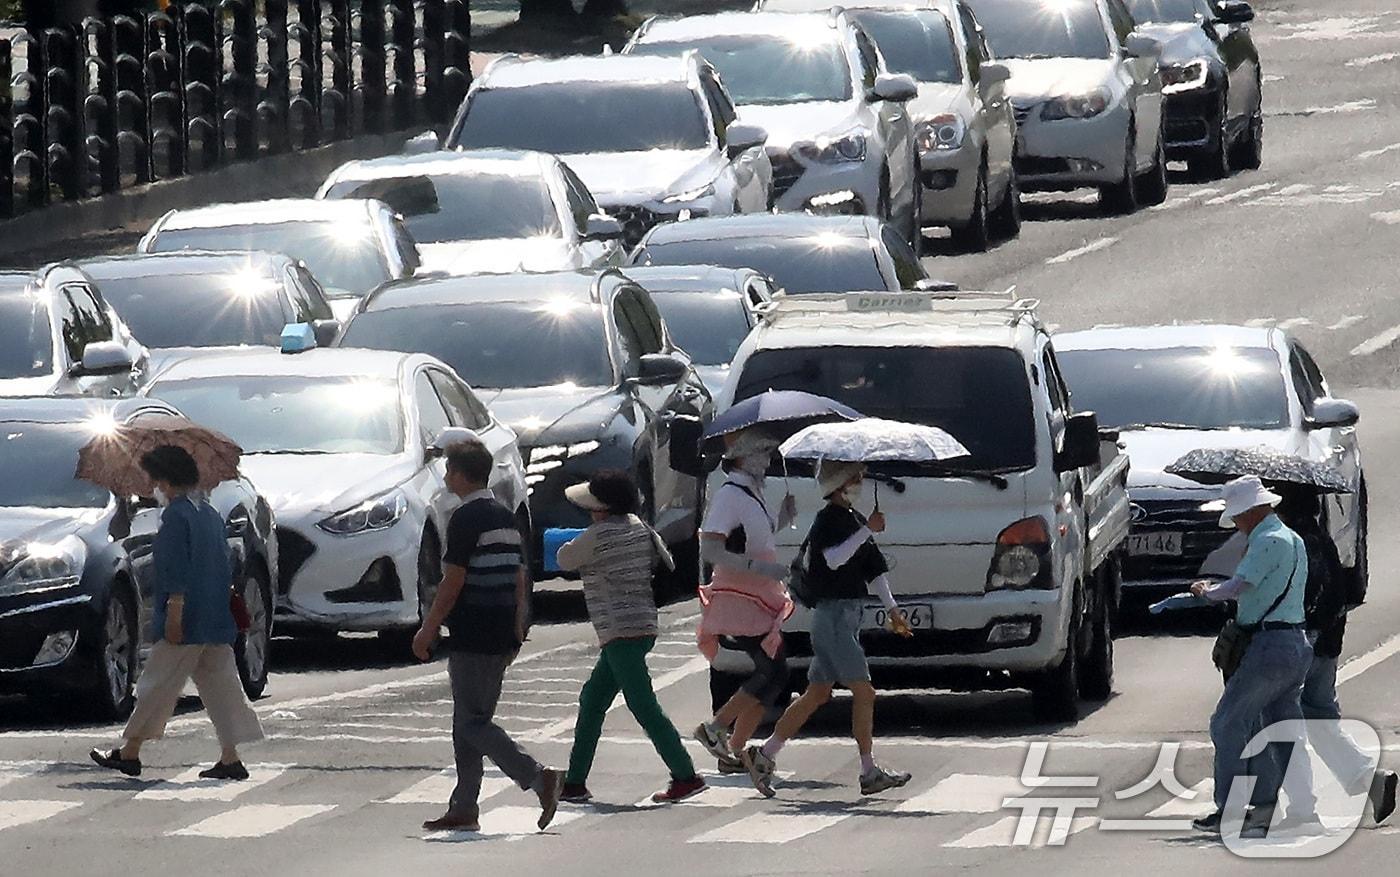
1274, 554
192, 558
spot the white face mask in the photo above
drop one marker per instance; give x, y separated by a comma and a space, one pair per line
853, 492
161, 499
755, 465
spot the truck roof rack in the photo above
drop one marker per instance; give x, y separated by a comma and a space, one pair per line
943, 301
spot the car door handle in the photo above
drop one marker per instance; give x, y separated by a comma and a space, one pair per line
896, 117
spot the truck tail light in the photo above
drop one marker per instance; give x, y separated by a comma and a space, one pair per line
1022, 556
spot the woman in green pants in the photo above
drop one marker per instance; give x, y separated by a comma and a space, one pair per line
616, 557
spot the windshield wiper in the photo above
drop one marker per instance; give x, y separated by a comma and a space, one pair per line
1160, 425
943, 470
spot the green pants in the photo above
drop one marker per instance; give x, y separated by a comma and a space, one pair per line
622, 666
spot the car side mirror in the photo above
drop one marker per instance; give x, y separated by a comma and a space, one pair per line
325, 331
103, 358
1234, 12
1139, 46
660, 368
741, 137
994, 74
896, 87
449, 436
423, 143
1080, 443
602, 227
1333, 414
686, 434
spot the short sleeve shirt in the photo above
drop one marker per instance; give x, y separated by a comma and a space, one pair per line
482, 539
734, 507
834, 525
1275, 554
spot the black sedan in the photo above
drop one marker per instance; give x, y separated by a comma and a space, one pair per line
802, 253
76, 566
579, 364
1212, 86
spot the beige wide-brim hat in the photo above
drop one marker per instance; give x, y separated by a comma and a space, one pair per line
581, 496
1244, 494
748, 443
832, 475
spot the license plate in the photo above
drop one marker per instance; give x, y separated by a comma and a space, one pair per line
1154, 544
919, 615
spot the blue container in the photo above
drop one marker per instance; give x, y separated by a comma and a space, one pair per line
553, 538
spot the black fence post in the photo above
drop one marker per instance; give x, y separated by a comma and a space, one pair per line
201, 55
336, 110
404, 84
239, 87
371, 87
434, 59
129, 69
305, 107
63, 77
7, 135
30, 151
273, 109
100, 104
457, 75
166, 105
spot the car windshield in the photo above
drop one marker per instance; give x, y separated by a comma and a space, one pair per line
979, 395
441, 208
761, 70
344, 256
1164, 10
570, 118
917, 43
496, 344
294, 415
26, 345
37, 463
198, 310
709, 326
1190, 387
814, 263
1043, 28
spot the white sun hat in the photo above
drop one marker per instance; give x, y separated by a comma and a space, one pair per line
1244, 494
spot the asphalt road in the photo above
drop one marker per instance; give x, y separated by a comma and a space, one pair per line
359, 738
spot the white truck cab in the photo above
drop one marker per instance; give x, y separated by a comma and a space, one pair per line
1007, 561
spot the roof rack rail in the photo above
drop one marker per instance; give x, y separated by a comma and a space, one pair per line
1016, 309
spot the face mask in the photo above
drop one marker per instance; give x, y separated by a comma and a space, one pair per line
755, 465
161, 499
853, 492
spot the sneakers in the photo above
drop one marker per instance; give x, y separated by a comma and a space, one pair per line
114, 761
548, 787
454, 822
221, 771
1382, 795
731, 764
716, 742
881, 779
679, 790
760, 768
576, 793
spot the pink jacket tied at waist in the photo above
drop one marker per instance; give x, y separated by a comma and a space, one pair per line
742, 604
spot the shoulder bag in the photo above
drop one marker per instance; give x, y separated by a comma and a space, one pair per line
1233, 640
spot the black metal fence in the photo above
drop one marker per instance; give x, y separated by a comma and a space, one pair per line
121, 101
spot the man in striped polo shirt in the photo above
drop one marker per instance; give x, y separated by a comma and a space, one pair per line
482, 599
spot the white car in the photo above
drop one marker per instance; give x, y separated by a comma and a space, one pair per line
351, 247
1087, 97
344, 444
839, 135
1169, 390
488, 211
655, 139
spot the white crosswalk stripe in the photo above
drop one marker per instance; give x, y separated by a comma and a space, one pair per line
1003, 833
189, 787
508, 822
436, 789
966, 793
253, 820
770, 828
17, 813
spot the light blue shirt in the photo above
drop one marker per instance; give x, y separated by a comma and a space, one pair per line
1275, 554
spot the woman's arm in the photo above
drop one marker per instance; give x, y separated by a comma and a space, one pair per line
577, 552
838, 556
713, 552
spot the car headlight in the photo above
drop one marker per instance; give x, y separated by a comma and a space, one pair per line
546, 458
1184, 77
942, 132
1076, 106
43, 566
834, 150
379, 513
696, 194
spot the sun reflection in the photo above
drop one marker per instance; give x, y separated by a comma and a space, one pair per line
830, 240
248, 283
1225, 361
559, 307
361, 398
101, 423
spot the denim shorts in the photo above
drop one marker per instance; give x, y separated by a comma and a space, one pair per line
837, 655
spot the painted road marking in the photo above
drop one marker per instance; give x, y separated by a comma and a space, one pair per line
770, 828
1186, 809
1294, 323
1070, 255
17, 813
1361, 663
1016, 745
1377, 343
1009, 831
1389, 217
723, 791
1351, 106
1259, 322
1241, 193
966, 793
1373, 59
253, 820
1183, 200
188, 786
437, 788
512, 823
1346, 322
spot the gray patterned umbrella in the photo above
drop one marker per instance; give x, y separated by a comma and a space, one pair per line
1218, 465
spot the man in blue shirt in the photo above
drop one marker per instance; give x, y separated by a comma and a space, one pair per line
1268, 587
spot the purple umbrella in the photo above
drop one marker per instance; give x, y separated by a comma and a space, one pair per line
791, 409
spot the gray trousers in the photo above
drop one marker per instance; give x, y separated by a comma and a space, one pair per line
476, 687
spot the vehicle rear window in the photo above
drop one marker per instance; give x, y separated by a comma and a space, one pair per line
814, 263
979, 395
1191, 387
917, 43
205, 310
761, 70
463, 207
26, 347
1034, 29
709, 326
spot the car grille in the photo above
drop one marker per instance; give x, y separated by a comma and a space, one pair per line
293, 551
1186, 130
636, 222
1034, 165
1022, 112
18, 648
1201, 534
786, 172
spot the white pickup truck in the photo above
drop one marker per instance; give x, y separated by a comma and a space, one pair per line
1008, 561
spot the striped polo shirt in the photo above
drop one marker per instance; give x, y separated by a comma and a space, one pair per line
482, 539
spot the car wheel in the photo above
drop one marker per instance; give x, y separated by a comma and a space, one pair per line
1215, 164
1120, 198
115, 657
1096, 680
254, 647
1055, 695
1248, 153
1152, 186
1006, 219
975, 236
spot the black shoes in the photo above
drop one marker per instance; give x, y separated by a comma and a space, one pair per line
1382, 795
113, 761
221, 771
1209, 824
